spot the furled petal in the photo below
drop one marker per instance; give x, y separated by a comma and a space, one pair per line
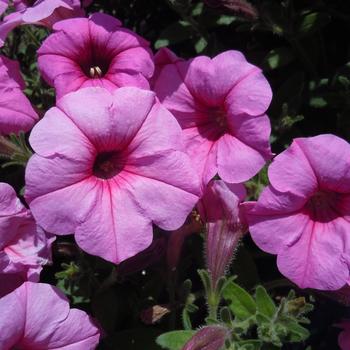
10, 22
16, 112
220, 201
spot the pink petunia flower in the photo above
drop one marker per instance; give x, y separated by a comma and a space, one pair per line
37, 316
24, 247
95, 51
344, 336
304, 215
3, 6
107, 166
16, 112
220, 209
40, 12
220, 105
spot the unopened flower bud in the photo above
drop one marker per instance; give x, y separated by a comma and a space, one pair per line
241, 6
208, 338
220, 209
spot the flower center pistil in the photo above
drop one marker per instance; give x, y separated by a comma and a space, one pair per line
107, 165
95, 72
220, 117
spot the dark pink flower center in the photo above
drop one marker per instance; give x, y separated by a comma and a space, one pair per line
108, 164
214, 125
96, 64
29, 3
323, 206
219, 116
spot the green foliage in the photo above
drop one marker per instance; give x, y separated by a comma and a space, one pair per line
174, 340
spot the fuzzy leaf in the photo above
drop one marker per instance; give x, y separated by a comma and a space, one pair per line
264, 303
240, 302
174, 340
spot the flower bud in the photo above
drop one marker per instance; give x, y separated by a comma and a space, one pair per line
220, 209
241, 6
208, 338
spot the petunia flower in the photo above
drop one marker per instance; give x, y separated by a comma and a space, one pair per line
40, 12
3, 6
38, 316
24, 247
107, 166
16, 112
95, 51
344, 336
303, 216
220, 209
220, 104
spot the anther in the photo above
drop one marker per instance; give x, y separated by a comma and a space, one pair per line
95, 72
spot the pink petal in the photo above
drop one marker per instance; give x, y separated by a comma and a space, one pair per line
130, 104
173, 93
65, 188
210, 80
252, 131
220, 201
40, 319
133, 59
3, 6
56, 125
12, 320
326, 153
43, 9
10, 22
237, 162
117, 224
274, 221
317, 259
251, 95
298, 176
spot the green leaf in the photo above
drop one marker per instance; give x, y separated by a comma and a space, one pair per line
264, 303
297, 333
250, 345
309, 23
225, 20
318, 102
174, 340
277, 58
200, 45
240, 302
173, 34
